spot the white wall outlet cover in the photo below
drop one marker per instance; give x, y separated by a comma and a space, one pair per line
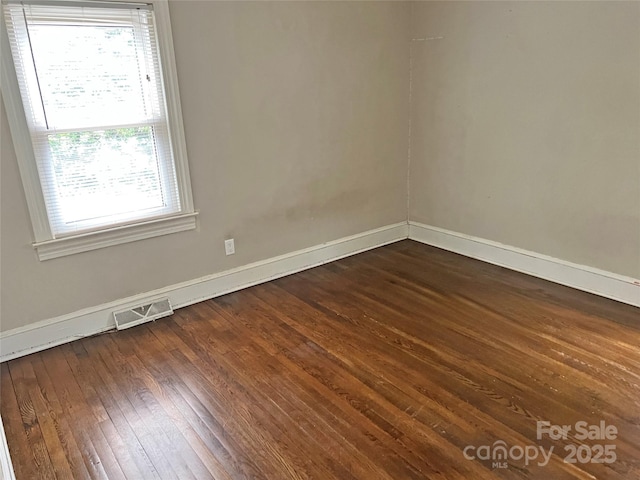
229, 247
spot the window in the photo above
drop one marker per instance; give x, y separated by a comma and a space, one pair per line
99, 100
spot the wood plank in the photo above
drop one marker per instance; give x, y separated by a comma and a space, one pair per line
96, 452
38, 452
383, 365
62, 439
15, 430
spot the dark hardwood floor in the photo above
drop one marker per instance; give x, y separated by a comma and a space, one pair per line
387, 365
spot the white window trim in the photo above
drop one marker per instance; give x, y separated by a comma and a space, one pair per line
46, 245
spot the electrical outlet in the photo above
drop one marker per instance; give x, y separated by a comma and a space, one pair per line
229, 247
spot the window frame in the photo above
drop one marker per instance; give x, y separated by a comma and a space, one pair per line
46, 244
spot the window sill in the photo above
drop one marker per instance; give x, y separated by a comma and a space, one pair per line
85, 242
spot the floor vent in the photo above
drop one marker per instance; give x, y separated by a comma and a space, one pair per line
143, 313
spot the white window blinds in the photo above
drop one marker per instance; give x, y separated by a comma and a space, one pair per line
91, 83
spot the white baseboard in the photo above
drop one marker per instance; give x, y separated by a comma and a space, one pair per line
66, 328
6, 467
592, 280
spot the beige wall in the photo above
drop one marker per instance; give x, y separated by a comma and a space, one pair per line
296, 124
525, 130
526, 126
